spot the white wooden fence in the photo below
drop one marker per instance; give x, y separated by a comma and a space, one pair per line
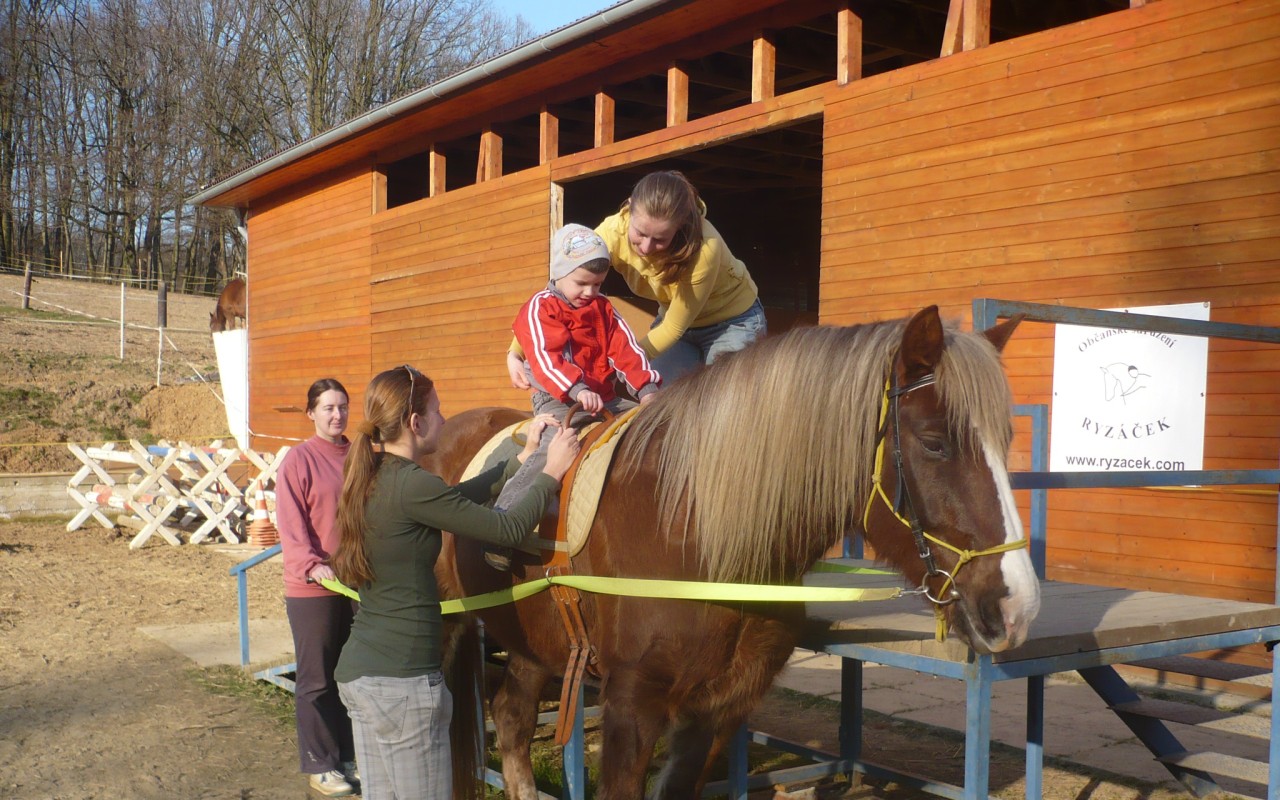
172, 490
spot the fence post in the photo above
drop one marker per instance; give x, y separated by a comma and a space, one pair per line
162, 318
26, 286
122, 320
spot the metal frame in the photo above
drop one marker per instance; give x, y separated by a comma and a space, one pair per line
272, 674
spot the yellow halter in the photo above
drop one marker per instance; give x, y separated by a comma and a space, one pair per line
948, 594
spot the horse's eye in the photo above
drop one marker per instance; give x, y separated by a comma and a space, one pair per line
935, 445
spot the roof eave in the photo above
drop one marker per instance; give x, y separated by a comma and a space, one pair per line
555, 41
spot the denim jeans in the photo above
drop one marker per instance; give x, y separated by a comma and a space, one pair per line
701, 346
401, 730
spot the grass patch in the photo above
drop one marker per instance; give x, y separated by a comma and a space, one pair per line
42, 316
225, 681
28, 403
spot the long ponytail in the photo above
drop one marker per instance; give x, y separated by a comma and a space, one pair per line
392, 396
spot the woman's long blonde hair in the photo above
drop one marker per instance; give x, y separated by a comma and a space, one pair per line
669, 196
391, 397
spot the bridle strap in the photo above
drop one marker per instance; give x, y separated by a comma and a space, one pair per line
948, 593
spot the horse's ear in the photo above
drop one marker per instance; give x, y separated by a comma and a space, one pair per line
921, 344
1000, 334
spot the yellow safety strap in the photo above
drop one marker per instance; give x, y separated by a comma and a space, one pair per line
671, 590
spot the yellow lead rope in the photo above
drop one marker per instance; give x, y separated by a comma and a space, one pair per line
670, 590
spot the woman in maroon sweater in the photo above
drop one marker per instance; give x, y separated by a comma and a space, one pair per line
308, 485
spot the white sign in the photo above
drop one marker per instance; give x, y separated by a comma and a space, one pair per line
1129, 400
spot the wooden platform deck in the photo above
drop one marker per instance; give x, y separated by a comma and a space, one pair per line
1074, 619
1082, 628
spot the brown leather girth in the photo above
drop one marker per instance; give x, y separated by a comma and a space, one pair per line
568, 600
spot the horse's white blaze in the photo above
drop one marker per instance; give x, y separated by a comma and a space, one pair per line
1023, 602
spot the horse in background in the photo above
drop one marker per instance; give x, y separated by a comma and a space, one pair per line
748, 471
230, 307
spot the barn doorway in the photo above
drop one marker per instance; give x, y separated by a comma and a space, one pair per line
763, 193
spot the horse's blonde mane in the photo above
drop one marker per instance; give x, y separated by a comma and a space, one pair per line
775, 444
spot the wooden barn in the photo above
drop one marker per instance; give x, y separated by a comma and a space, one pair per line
864, 158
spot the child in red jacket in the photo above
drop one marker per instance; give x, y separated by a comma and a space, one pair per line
573, 339
575, 343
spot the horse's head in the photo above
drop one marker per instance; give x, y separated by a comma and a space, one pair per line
943, 511
217, 324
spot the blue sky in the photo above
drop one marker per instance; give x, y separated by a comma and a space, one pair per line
547, 15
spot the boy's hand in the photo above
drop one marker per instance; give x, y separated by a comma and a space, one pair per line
648, 398
515, 371
533, 436
590, 401
561, 453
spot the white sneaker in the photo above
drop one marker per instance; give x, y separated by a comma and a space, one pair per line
331, 784
350, 771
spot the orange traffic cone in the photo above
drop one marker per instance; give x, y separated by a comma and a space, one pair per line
261, 532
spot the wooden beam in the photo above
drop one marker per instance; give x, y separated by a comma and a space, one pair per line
977, 24
951, 32
557, 208
548, 135
848, 46
435, 172
379, 185
604, 119
677, 95
703, 132
764, 66
489, 162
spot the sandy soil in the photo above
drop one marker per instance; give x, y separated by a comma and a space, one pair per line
92, 708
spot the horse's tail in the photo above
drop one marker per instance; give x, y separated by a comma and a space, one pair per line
465, 676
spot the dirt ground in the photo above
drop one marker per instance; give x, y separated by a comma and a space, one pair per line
90, 707
62, 378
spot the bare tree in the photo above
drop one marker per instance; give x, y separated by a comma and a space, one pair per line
114, 111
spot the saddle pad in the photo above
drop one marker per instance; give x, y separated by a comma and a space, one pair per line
584, 498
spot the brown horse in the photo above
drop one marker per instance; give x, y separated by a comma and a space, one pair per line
230, 307
747, 472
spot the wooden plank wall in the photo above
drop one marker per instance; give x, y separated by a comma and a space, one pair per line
308, 299
449, 274
1125, 161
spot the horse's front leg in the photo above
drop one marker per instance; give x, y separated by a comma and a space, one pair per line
515, 717
633, 716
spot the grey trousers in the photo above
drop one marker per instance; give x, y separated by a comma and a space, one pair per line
402, 736
544, 403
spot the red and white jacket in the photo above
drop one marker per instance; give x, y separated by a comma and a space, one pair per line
570, 350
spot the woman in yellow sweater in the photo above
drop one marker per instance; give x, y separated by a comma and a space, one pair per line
662, 244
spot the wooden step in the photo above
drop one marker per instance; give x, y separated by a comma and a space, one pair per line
1201, 674
1221, 765
1203, 667
1197, 716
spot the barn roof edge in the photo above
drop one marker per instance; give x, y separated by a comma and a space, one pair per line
549, 42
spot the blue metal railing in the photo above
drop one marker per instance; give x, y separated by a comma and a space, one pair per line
242, 595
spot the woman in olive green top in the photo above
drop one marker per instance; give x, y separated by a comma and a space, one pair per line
389, 522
